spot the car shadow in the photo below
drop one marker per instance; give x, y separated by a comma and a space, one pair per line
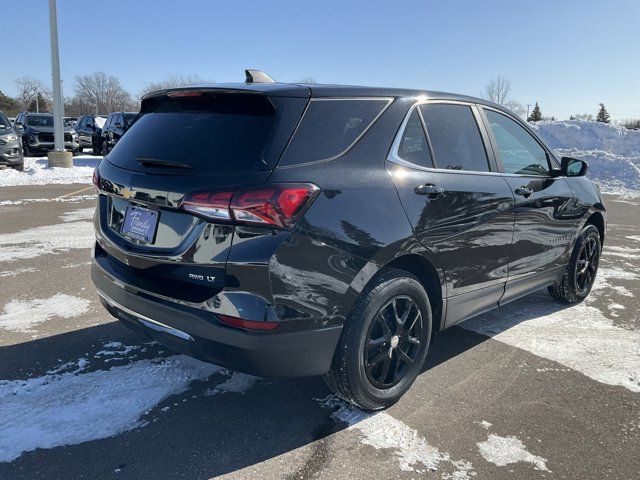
195, 434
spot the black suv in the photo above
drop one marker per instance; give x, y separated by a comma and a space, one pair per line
36, 132
89, 129
10, 147
292, 230
116, 125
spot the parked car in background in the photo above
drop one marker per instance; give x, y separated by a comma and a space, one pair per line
36, 133
116, 125
292, 230
89, 129
70, 121
10, 147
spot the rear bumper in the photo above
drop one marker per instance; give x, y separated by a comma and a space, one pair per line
197, 333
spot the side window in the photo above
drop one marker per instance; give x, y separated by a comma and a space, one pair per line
413, 145
520, 153
329, 127
455, 137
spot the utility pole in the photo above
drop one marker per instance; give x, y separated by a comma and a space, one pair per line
59, 157
528, 105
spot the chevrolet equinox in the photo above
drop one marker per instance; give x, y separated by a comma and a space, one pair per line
293, 230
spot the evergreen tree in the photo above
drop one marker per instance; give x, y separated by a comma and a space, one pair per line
7, 104
603, 116
38, 104
536, 114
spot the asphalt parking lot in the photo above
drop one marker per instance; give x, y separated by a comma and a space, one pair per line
532, 390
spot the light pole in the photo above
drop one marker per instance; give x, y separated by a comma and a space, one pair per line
59, 157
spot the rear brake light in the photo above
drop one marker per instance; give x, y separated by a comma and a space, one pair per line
184, 93
248, 324
275, 205
96, 178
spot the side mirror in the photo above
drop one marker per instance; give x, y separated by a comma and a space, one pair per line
18, 126
118, 125
573, 167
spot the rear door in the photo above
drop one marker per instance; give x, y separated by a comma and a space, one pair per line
544, 221
460, 207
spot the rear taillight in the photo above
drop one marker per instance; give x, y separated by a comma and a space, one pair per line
96, 178
275, 205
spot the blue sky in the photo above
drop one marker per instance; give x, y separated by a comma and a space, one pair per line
569, 55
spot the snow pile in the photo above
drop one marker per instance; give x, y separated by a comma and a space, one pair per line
36, 172
71, 408
584, 135
613, 152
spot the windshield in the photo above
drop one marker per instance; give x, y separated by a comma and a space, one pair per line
4, 122
40, 120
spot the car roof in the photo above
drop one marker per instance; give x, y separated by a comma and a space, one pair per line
315, 90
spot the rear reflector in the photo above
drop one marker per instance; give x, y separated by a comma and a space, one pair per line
274, 205
248, 324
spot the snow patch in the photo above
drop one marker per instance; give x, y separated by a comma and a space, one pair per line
579, 337
77, 215
37, 241
36, 172
237, 383
70, 408
486, 424
23, 315
62, 198
19, 271
381, 431
502, 451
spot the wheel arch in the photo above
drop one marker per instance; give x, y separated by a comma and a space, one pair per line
597, 220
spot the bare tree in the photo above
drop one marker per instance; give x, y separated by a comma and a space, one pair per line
497, 90
305, 80
31, 90
100, 93
172, 81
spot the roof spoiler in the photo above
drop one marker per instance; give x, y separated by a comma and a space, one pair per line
256, 76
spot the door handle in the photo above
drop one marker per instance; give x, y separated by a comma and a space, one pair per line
526, 192
432, 191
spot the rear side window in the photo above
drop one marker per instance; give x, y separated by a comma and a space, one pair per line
413, 145
455, 137
519, 151
329, 127
211, 133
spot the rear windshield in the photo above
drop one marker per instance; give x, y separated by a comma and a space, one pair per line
40, 120
211, 133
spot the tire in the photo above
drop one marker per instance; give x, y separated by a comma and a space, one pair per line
19, 166
357, 374
80, 150
96, 147
25, 150
578, 279
105, 148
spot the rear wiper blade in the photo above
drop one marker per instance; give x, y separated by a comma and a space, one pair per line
155, 162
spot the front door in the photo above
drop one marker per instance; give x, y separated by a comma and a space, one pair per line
459, 207
544, 219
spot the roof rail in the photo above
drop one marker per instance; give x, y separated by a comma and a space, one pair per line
256, 76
